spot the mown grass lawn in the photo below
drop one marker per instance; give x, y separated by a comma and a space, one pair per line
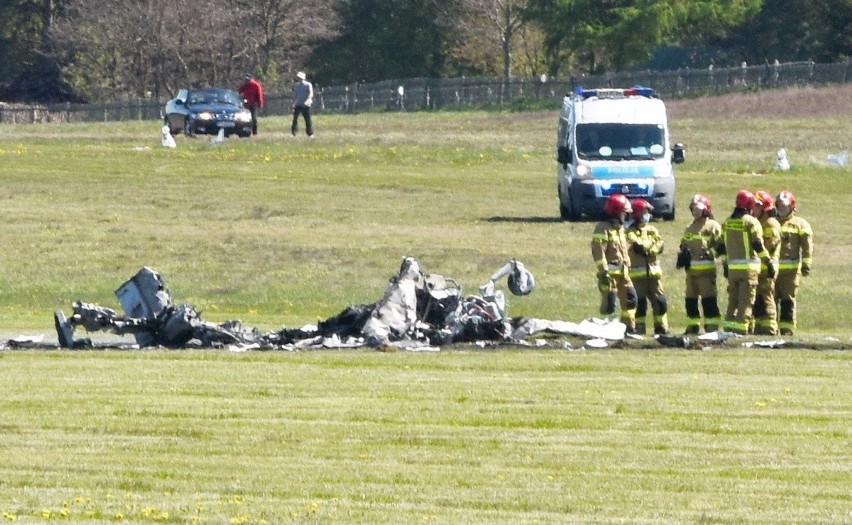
278, 231
282, 231
725, 436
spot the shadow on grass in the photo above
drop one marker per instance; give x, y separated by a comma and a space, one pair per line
500, 218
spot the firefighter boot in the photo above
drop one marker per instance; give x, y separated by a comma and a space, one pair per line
712, 316
693, 316
787, 316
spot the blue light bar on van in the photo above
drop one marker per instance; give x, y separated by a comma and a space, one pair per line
614, 93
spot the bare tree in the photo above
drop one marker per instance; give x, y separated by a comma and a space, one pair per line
279, 34
506, 19
142, 48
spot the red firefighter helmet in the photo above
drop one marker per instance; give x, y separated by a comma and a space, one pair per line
640, 206
786, 198
745, 200
764, 199
701, 202
617, 204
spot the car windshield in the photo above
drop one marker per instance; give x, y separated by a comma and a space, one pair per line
620, 141
213, 96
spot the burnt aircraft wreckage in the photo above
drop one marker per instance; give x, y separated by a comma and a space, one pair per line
418, 310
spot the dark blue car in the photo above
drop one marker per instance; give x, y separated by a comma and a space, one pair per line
206, 111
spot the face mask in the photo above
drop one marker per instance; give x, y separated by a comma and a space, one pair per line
646, 217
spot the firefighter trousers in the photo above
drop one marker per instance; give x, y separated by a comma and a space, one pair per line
701, 285
651, 289
786, 286
619, 286
742, 289
765, 312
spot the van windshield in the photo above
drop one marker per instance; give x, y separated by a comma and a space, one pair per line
620, 141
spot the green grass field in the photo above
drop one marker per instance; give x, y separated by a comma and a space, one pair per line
285, 231
728, 436
281, 231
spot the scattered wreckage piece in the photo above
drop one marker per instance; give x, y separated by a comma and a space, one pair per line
418, 311
593, 328
395, 316
151, 318
777, 343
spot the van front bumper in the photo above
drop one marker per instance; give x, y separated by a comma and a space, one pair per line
589, 196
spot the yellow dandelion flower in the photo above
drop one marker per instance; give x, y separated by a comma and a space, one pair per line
119, 516
64, 513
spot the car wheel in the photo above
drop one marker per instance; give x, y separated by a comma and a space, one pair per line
168, 123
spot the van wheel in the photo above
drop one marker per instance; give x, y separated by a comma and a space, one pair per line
669, 216
567, 212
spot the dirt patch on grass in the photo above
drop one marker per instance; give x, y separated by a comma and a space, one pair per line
792, 103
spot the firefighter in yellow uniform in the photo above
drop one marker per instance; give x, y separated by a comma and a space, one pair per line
742, 251
646, 245
795, 257
698, 258
765, 312
610, 252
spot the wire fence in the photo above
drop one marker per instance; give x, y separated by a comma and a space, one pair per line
418, 94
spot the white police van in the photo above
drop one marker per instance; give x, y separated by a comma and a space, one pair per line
614, 141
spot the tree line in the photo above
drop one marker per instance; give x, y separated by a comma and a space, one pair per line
96, 50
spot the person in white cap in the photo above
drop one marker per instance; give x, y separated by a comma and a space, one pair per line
303, 97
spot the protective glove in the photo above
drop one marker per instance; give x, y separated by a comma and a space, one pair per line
603, 279
806, 269
725, 270
771, 269
638, 249
684, 259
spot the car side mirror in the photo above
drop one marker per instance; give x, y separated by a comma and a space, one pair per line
678, 153
563, 154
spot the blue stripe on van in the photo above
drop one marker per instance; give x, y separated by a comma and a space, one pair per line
622, 172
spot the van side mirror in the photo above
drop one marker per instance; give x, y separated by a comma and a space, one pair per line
678, 153
563, 154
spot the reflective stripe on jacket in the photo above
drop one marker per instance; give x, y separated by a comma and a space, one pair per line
609, 247
796, 242
700, 239
740, 235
